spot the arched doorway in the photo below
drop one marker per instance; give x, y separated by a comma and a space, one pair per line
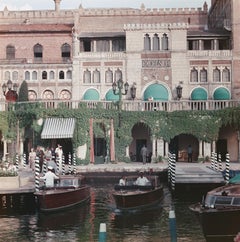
141, 134
179, 145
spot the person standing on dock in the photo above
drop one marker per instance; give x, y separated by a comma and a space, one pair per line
31, 159
144, 154
189, 151
59, 157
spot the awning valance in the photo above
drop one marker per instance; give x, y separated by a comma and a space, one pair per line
58, 128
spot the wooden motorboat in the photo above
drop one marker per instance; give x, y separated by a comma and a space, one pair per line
69, 192
219, 212
135, 197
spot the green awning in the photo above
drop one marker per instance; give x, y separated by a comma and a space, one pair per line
221, 94
199, 94
110, 96
157, 92
91, 94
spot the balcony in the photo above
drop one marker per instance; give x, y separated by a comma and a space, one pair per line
168, 106
209, 53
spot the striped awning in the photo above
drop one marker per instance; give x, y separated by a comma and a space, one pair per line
58, 128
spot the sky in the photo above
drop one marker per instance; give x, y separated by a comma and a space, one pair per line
73, 4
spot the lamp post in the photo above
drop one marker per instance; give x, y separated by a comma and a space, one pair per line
179, 92
118, 90
10, 91
11, 96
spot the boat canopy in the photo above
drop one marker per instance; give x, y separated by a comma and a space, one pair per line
235, 179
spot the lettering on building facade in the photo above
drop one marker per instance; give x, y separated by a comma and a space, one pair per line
156, 63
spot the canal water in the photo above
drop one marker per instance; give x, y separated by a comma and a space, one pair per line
23, 222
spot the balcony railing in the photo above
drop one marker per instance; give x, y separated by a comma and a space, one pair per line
127, 105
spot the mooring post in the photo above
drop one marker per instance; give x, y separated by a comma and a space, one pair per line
227, 167
102, 233
173, 176
172, 225
37, 172
74, 164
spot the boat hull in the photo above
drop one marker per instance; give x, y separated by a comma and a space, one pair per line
62, 198
218, 224
129, 200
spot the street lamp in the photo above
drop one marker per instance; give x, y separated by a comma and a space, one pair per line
179, 91
10, 91
117, 90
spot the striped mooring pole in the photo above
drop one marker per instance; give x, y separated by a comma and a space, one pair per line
37, 172
227, 167
74, 164
102, 233
173, 172
172, 225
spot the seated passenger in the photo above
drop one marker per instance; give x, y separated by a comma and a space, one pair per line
142, 180
122, 181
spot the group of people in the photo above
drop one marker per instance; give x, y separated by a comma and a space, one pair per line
48, 155
140, 181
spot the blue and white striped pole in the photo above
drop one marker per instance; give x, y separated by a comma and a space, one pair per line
172, 226
102, 233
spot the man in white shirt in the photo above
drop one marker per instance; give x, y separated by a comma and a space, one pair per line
142, 180
59, 157
122, 181
49, 178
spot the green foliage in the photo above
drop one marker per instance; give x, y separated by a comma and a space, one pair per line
7, 173
23, 92
204, 125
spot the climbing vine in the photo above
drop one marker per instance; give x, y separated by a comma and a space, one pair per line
204, 125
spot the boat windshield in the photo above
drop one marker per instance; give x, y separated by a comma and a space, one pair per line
69, 182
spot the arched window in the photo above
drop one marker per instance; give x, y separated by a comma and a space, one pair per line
203, 75
34, 75
164, 42
147, 42
87, 76
10, 52
32, 95
69, 74
38, 52
7, 76
194, 75
27, 75
65, 95
109, 76
155, 42
15, 76
44, 75
226, 75
52, 75
96, 76
118, 74
66, 52
61, 75
216, 75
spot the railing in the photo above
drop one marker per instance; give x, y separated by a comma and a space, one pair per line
137, 105
209, 53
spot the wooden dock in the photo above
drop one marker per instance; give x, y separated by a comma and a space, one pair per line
197, 173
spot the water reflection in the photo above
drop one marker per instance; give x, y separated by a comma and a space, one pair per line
81, 223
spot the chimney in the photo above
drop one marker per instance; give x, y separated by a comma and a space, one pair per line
57, 5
